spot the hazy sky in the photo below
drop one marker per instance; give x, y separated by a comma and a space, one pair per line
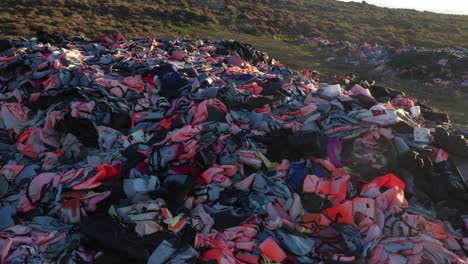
441, 6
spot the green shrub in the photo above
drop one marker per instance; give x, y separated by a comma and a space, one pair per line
326, 18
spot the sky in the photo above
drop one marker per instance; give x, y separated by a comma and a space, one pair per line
459, 7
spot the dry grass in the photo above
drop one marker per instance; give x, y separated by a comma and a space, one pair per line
292, 18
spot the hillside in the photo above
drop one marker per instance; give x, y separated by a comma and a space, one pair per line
282, 19
268, 25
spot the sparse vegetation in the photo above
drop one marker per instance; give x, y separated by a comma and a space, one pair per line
327, 18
